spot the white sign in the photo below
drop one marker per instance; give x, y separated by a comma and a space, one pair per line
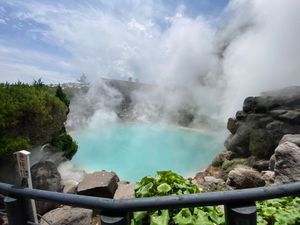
22, 157
24, 170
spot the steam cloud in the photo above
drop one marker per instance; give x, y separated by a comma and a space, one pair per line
255, 47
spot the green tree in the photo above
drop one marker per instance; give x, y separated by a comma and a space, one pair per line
31, 115
62, 96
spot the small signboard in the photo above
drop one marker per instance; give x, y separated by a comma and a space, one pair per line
24, 170
22, 157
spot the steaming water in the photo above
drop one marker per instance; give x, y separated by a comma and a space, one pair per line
134, 150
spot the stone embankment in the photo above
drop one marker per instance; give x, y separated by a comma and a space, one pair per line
263, 147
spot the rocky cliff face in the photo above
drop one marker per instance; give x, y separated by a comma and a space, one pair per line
265, 137
259, 127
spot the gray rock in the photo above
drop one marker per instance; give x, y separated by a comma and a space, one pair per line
292, 116
260, 104
277, 112
258, 164
277, 129
248, 104
239, 142
240, 115
244, 177
272, 163
294, 138
220, 158
214, 184
46, 177
260, 144
287, 163
68, 215
124, 191
268, 176
100, 184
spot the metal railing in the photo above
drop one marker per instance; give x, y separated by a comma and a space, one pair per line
239, 205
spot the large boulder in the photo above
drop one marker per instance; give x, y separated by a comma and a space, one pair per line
294, 138
287, 163
100, 184
46, 177
239, 142
68, 215
244, 177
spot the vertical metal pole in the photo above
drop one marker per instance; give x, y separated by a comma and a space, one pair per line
15, 209
114, 219
240, 214
29, 180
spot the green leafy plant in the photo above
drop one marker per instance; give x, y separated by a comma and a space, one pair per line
170, 183
279, 211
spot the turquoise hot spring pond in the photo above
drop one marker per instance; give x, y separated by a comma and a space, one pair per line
137, 150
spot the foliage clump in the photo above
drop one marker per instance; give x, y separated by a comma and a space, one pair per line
30, 115
169, 183
65, 143
280, 211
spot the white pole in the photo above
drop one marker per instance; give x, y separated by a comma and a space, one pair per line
29, 180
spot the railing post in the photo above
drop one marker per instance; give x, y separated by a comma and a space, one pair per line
16, 211
240, 214
107, 218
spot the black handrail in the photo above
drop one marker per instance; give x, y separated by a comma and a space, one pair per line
242, 196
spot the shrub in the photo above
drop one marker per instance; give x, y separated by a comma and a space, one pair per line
65, 143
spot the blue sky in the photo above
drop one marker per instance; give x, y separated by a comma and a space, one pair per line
59, 41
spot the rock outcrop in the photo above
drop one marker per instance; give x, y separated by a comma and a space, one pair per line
100, 184
267, 122
287, 163
68, 215
258, 129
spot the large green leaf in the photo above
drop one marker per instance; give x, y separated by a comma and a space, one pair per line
160, 217
163, 188
184, 217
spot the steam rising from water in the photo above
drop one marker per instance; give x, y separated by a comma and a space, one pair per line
255, 47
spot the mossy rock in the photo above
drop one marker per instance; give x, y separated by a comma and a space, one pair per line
220, 158
229, 165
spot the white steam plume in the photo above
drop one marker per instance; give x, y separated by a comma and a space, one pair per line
256, 49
